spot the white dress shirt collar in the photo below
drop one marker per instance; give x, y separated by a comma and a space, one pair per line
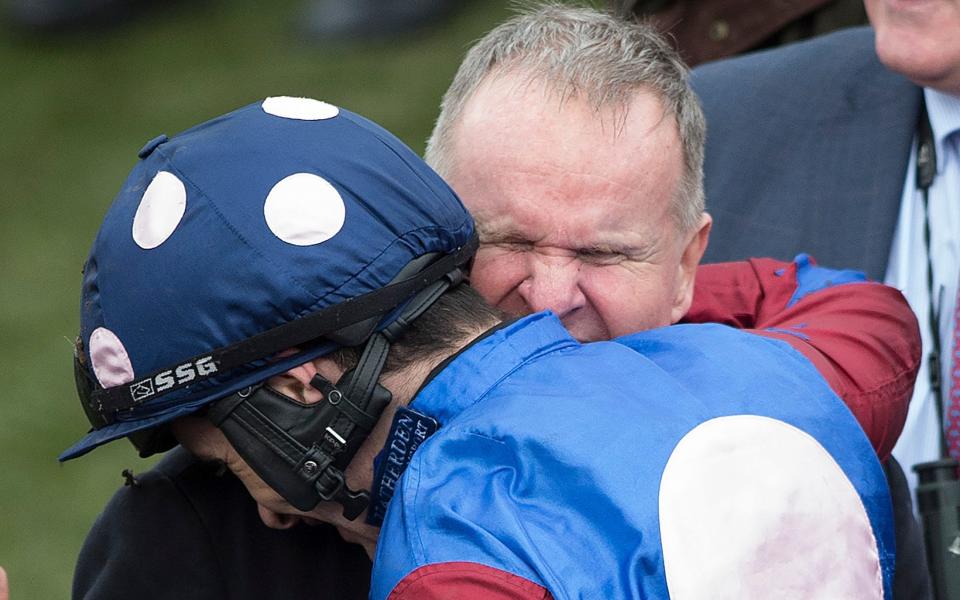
944, 112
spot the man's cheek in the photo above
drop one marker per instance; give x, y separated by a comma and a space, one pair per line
626, 301
262, 493
496, 274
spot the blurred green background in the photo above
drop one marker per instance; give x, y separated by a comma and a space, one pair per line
74, 110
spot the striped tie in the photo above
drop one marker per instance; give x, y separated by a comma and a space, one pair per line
952, 409
953, 400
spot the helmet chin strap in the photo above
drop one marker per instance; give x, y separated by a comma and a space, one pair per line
302, 450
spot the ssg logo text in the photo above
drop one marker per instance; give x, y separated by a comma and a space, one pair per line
165, 380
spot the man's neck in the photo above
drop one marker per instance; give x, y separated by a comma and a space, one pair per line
405, 383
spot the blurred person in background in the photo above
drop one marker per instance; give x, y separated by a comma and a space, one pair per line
361, 20
321, 20
705, 30
848, 145
554, 235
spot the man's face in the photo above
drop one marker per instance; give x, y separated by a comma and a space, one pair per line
207, 442
574, 208
919, 39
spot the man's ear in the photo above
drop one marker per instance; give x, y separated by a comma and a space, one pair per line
696, 245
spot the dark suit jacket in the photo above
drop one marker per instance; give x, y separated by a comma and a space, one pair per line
189, 531
807, 151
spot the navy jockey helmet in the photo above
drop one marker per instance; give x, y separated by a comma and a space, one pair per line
289, 223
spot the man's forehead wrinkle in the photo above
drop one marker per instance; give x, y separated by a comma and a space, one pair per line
630, 195
601, 203
560, 169
559, 176
591, 191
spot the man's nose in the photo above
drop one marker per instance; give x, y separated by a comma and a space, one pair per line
552, 283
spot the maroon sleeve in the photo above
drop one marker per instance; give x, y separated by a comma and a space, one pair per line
862, 337
466, 581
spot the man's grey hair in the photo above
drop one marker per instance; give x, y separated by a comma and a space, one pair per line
596, 57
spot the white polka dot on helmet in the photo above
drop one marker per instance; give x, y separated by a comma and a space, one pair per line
306, 109
160, 210
304, 209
